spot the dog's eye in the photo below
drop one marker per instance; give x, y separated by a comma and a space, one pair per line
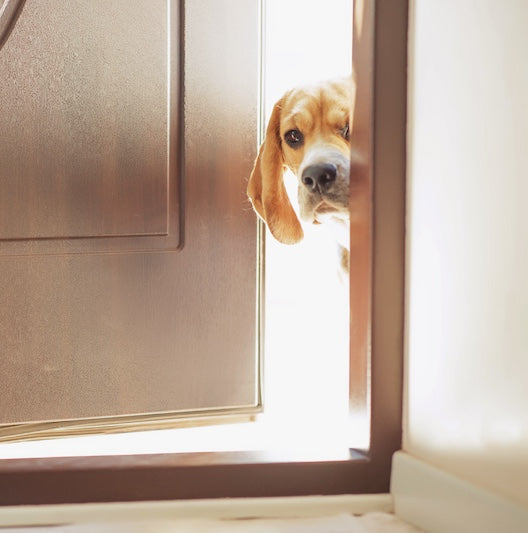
345, 132
294, 138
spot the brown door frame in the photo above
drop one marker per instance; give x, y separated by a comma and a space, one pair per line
380, 57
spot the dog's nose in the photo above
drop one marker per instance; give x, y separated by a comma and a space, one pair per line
319, 177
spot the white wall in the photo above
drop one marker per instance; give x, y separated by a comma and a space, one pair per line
467, 307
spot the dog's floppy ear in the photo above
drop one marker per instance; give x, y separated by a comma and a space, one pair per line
266, 186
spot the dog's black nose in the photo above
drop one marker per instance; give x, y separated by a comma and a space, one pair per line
319, 177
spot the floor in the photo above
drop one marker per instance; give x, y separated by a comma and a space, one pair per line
343, 523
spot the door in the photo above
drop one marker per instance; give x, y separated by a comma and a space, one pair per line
127, 246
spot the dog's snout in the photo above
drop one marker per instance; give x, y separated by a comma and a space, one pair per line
319, 177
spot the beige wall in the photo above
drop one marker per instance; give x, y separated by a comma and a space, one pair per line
467, 315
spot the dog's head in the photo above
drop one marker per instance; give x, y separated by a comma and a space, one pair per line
308, 132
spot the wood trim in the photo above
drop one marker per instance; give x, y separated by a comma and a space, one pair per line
388, 248
382, 82
361, 211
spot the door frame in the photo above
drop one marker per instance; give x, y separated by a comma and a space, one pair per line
379, 59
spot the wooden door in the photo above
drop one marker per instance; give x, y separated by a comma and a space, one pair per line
127, 246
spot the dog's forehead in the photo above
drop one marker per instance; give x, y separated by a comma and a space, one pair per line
303, 105
299, 106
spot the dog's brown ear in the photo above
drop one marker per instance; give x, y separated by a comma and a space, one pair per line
266, 186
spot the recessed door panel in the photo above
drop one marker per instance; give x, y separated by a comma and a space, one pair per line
86, 102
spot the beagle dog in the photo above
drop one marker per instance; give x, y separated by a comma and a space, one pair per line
308, 133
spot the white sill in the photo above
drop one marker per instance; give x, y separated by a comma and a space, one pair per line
170, 513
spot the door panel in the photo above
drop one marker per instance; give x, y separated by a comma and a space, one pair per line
89, 97
127, 250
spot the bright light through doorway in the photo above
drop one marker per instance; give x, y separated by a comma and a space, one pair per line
306, 364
